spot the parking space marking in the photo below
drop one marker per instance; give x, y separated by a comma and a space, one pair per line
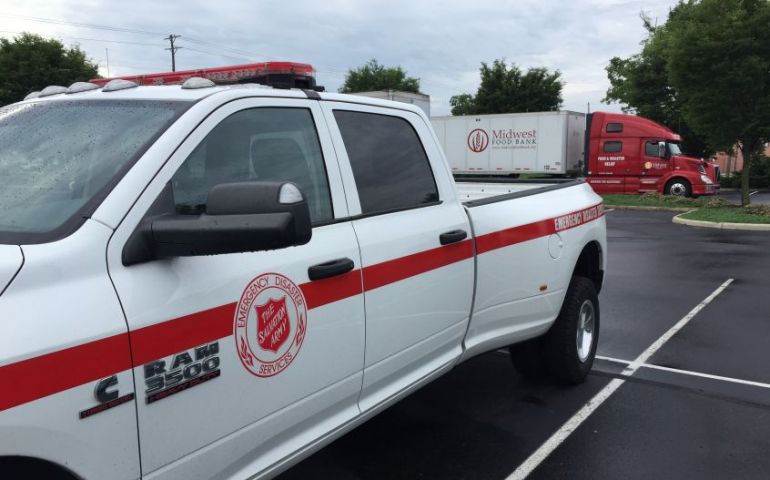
752, 193
689, 372
536, 458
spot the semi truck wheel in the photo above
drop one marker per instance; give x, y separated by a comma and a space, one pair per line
679, 188
569, 347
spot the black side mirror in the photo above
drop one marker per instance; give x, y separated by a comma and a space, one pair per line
240, 217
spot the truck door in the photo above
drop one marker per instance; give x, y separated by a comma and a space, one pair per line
653, 166
415, 241
237, 355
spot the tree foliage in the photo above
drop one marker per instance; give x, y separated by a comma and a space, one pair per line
710, 63
509, 90
374, 76
640, 84
30, 62
719, 63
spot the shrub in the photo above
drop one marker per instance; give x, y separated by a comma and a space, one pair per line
758, 209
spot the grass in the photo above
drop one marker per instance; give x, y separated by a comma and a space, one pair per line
727, 214
709, 209
654, 200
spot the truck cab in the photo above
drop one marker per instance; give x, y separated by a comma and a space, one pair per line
627, 154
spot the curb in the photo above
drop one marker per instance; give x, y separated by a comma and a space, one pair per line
755, 227
649, 209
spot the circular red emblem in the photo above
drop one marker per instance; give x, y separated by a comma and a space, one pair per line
478, 140
270, 324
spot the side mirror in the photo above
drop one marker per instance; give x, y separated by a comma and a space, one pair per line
240, 217
662, 149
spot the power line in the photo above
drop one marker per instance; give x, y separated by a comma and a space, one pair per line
90, 39
119, 29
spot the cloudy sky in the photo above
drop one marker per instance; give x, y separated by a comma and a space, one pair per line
442, 43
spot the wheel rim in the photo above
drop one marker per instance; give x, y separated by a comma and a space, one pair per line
585, 330
678, 189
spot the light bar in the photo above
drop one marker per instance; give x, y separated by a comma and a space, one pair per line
276, 74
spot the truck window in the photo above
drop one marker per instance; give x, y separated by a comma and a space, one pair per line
614, 127
59, 159
270, 144
613, 147
391, 169
651, 149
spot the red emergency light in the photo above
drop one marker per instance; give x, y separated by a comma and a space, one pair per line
274, 74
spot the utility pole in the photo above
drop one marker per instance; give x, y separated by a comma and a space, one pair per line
107, 53
171, 38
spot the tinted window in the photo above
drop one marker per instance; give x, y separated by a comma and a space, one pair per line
613, 147
614, 127
389, 164
270, 144
651, 149
59, 159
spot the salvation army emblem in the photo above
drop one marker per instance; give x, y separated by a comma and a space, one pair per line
270, 324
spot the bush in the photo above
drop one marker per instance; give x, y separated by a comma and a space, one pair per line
759, 178
761, 210
716, 202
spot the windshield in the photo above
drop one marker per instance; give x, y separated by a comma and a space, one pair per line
58, 159
674, 149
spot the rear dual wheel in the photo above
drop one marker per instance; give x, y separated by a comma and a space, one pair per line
566, 353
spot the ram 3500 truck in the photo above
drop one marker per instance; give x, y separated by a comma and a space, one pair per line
205, 281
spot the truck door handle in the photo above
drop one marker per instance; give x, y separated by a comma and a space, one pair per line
452, 237
330, 268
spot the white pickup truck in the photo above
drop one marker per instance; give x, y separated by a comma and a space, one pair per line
206, 281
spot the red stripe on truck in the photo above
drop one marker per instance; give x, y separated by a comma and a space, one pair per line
55, 372
391, 271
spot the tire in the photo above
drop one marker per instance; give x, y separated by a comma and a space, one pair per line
678, 188
568, 352
527, 358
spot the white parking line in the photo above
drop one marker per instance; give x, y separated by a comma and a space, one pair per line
752, 193
573, 423
689, 372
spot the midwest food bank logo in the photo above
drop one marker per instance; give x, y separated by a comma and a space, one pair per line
478, 140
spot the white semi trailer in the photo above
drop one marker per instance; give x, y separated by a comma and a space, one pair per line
513, 143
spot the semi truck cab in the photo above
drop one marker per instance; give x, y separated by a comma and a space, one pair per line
627, 154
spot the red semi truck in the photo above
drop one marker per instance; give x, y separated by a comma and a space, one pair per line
631, 154
618, 153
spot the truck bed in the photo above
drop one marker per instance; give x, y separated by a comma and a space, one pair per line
472, 190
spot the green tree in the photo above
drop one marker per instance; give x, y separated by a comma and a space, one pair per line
30, 62
640, 84
374, 76
509, 90
718, 61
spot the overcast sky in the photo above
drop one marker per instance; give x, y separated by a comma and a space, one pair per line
442, 43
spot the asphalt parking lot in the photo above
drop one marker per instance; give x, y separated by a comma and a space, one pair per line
757, 196
698, 407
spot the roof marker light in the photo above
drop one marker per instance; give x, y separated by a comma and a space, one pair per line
118, 84
52, 90
197, 82
78, 87
32, 95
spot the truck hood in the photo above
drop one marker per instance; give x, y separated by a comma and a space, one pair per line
11, 260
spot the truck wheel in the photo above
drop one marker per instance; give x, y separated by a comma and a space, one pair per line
679, 188
527, 358
569, 347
